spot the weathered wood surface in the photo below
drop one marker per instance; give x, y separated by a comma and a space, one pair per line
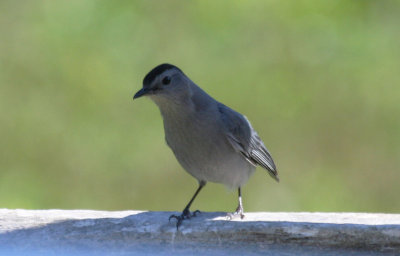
71, 232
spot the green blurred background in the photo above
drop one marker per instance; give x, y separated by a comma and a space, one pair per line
318, 79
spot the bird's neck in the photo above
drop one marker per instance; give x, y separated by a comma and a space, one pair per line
174, 109
182, 107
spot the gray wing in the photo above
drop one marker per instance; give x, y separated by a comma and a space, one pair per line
245, 139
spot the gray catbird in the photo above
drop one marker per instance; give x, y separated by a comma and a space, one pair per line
211, 141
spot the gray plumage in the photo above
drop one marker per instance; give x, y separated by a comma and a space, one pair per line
211, 141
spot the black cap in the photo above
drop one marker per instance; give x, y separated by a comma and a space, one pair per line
148, 79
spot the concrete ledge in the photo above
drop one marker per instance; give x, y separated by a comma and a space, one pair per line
71, 232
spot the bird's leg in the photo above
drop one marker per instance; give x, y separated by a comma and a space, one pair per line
186, 214
239, 209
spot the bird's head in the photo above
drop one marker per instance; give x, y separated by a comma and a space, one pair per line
165, 83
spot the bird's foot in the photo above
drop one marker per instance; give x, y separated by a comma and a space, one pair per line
236, 214
186, 214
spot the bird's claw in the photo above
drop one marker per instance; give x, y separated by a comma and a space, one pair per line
186, 214
237, 213
194, 214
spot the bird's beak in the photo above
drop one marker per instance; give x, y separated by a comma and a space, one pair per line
140, 93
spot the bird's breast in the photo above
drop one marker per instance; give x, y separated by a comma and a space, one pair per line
201, 147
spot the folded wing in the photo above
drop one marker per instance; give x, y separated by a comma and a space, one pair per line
245, 140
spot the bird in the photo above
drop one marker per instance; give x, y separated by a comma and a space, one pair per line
211, 141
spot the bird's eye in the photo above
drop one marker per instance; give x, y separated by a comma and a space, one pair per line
166, 80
